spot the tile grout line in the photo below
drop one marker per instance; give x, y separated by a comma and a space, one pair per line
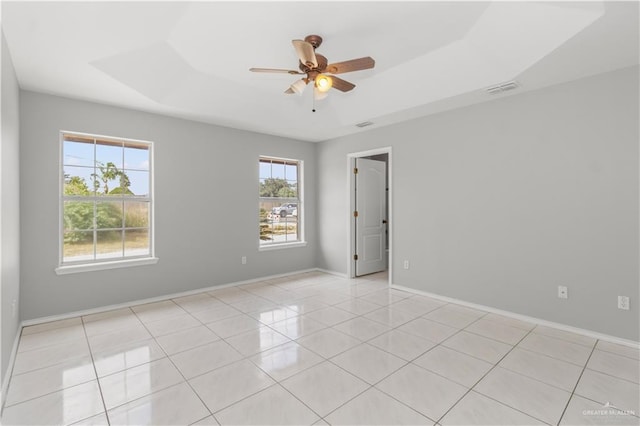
418, 356
324, 359
618, 354
166, 355
246, 358
174, 366
55, 365
10, 370
326, 327
93, 364
372, 386
485, 375
170, 360
189, 313
578, 381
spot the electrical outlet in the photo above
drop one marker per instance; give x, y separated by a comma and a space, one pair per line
14, 308
623, 302
563, 293
406, 264
244, 260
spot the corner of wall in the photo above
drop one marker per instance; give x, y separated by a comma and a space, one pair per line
9, 210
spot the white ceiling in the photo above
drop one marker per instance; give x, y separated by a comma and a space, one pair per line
191, 60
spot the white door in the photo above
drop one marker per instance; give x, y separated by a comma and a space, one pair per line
370, 222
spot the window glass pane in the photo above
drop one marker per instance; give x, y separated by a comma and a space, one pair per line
292, 228
265, 170
268, 208
111, 153
78, 245
279, 201
278, 221
291, 172
138, 183
77, 153
121, 184
293, 188
136, 214
266, 232
78, 180
108, 214
106, 180
277, 188
136, 242
285, 230
99, 166
136, 157
277, 170
108, 244
266, 219
78, 215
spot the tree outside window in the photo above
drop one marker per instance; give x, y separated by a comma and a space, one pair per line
279, 201
106, 199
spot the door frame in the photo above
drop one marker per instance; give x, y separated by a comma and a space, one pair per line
351, 235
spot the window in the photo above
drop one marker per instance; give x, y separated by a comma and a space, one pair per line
280, 202
106, 200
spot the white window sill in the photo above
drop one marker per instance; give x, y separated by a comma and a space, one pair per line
88, 267
281, 246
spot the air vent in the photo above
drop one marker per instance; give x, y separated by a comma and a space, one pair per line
502, 87
364, 124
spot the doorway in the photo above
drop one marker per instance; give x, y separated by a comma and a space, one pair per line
370, 225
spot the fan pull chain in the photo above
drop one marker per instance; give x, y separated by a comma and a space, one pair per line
313, 101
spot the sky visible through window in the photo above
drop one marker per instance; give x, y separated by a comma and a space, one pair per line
106, 209
279, 201
288, 172
78, 161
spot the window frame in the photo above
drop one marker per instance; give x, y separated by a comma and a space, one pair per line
69, 267
301, 242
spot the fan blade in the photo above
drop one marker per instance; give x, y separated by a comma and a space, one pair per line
275, 70
305, 52
352, 65
342, 85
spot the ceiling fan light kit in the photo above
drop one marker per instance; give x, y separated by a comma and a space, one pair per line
298, 87
318, 95
323, 82
316, 68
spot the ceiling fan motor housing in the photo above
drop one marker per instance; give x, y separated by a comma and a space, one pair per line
314, 66
322, 65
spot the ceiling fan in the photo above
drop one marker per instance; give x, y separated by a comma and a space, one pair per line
315, 67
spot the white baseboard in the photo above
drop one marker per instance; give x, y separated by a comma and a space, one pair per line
534, 320
9, 372
337, 274
100, 309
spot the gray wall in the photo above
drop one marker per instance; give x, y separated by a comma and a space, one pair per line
499, 203
199, 238
9, 208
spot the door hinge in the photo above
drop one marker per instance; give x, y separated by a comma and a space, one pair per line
355, 170
355, 257
355, 213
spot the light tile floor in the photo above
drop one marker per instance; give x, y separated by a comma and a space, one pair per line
316, 349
